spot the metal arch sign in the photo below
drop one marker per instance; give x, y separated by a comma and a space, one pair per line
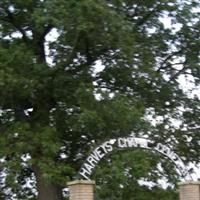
129, 142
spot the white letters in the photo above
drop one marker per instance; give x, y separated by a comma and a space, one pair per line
128, 142
84, 173
99, 152
88, 167
92, 161
107, 147
122, 143
131, 142
95, 155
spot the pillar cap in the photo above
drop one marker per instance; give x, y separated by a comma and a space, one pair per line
81, 182
189, 183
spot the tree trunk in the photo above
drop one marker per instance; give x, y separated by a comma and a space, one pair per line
46, 191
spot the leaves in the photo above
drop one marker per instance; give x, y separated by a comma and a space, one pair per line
113, 70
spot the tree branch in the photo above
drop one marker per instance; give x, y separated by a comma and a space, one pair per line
46, 31
40, 42
178, 73
12, 20
146, 17
72, 54
166, 59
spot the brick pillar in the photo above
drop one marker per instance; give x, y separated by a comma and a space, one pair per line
81, 190
189, 190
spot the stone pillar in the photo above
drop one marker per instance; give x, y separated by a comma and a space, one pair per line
189, 190
81, 190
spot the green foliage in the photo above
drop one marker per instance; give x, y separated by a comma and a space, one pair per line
127, 169
52, 112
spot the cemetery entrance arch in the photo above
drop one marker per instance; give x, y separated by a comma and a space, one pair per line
82, 188
130, 143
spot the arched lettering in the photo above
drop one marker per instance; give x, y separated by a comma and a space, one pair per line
129, 142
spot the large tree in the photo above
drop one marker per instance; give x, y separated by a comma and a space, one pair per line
56, 103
